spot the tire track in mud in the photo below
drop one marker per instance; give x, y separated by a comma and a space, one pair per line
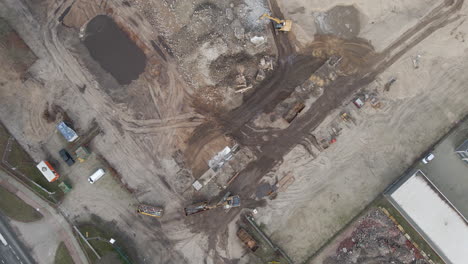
150, 126
70, 68
272, 152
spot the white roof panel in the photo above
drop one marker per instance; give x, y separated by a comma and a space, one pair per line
434, 216
46, 171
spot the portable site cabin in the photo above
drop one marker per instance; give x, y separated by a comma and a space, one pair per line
48, 171
68, 133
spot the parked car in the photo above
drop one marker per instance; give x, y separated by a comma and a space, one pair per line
66, 157
428, 158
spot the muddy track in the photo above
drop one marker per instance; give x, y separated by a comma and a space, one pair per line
273, 151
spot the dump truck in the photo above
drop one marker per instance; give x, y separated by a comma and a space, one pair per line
227, 202
247, 239
149, 210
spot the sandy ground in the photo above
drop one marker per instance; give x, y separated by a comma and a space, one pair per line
21, 111
381, 22
143, 137
332, 188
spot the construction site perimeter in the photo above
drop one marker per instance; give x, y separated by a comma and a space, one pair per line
295, 113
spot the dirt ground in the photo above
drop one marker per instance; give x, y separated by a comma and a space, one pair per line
181, 104
372, 152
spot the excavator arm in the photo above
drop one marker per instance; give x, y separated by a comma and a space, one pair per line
281, 25
277, 20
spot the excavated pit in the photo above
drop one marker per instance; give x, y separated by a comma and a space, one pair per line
114, 50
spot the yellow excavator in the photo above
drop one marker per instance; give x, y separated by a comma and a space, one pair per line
281, 25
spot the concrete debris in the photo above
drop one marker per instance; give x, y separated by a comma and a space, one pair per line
266, 63
375, 235
415, 60
229, 14
222, 157
241, 81
260, 75
243, 90
239, 31
257, 40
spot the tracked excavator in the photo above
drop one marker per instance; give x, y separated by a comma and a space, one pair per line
227, 202
280, 25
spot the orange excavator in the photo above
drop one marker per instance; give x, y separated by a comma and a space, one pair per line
280, 25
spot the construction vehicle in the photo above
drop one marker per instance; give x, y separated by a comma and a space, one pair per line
389, 83
345, 117
149, 210
226, 202
247, 239
279, 24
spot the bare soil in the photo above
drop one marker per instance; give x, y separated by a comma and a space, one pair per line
165, 123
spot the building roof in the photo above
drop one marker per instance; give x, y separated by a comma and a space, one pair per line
68, 133
463, 147
47, 170
433, 216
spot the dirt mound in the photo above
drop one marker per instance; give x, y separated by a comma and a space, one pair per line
205, 18
226, 67
355, 53
342, 21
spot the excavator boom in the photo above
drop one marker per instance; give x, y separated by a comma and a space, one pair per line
277, 20
281, 25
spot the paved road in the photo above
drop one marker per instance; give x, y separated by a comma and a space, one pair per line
14, 252
56, 222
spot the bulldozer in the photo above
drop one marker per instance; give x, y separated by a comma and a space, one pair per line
226, 202
279, 24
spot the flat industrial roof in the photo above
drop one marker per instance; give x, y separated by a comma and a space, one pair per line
433, 216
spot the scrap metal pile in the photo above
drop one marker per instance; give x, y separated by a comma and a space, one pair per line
376, 239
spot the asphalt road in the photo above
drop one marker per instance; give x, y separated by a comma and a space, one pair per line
14, 252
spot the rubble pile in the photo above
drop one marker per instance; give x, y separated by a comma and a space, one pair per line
218, 44
376, 239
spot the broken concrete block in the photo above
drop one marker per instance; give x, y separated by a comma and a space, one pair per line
260, 75
258, 40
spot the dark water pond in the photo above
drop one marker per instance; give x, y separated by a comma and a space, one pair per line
113, 50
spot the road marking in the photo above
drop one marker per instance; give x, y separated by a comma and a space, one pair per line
4, 242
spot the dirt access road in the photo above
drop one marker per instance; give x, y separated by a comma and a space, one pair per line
290, 73
140, 147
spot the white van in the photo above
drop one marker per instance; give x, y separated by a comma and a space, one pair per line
96, 176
